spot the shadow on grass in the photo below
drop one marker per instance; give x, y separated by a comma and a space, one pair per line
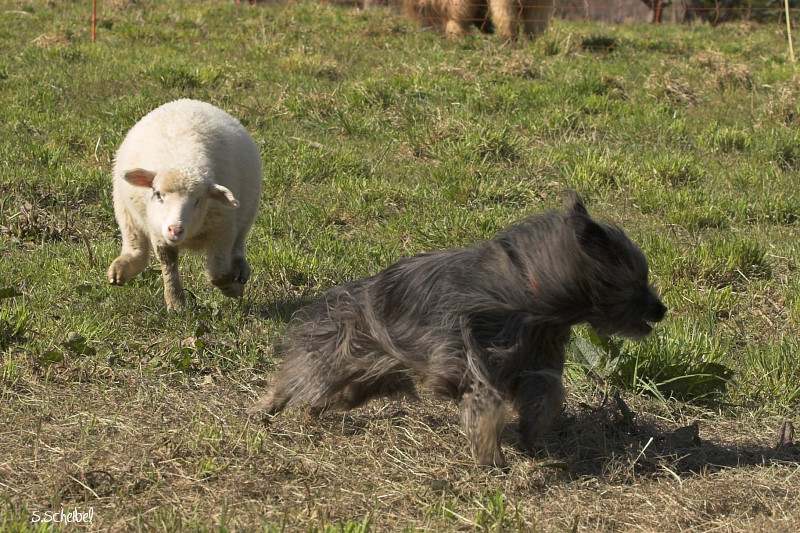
602, 441
281, 310
596, 440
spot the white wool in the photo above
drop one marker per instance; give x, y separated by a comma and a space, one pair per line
194, 182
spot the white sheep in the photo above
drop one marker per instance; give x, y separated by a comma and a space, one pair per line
187, 176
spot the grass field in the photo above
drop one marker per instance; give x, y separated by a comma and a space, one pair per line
381, 141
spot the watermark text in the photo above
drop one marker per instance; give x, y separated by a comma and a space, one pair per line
63, 516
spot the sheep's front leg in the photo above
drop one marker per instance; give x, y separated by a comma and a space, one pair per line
135, 252
505, 16
173, 290
536, 16
457, 28
228, 274
240, 268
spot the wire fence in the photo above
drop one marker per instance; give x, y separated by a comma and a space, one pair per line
533, 15
665, 11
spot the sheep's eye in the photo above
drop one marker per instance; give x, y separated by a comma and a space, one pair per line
197, 202
157, 196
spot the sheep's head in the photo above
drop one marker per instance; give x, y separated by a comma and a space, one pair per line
180, 200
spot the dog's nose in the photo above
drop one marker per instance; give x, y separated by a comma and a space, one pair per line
658, 311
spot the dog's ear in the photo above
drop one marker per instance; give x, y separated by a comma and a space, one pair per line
574, 203
591, 236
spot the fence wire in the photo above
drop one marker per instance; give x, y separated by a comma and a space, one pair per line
614, 11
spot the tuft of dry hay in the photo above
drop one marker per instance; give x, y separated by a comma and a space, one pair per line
724, 75
123, 5
678, 91
782, 108
46, 41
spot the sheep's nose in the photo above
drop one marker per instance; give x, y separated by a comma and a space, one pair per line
175, 231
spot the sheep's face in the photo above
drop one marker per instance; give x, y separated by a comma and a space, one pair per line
179, 200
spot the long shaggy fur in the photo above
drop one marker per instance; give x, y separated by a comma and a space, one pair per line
454, 17
481, 325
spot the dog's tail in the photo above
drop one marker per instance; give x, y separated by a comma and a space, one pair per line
330, 345
475, 357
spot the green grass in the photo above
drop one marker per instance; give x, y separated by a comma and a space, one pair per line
380, 141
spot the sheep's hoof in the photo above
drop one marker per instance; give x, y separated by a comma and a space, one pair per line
229, 288
175, 301
173, 307
121, 270
240, 270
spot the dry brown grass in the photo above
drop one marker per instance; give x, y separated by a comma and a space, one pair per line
169, 452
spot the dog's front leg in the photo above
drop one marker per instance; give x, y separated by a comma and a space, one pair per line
541, 395
483, 419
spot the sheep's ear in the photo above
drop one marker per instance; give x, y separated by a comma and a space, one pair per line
222, 195
139, 177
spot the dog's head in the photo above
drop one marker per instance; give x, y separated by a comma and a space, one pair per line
615, 276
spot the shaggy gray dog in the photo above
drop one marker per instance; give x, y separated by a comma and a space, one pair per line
480, 325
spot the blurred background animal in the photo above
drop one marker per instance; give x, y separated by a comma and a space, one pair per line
452, 18
505, 17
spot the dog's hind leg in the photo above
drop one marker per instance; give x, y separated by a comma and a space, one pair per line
306, 378
483, 419
286, 389
359, 392
324, 385
540, 397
